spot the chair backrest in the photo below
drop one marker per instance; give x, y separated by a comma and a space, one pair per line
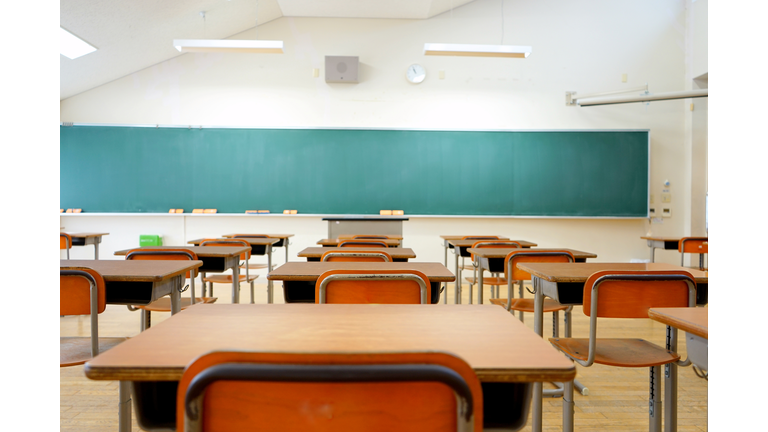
356, 256
372, 286
77, 287
697, 245
494, 244
229, 242
629, 294
527, 255
290, 392
180, 254
65, 241
362, 243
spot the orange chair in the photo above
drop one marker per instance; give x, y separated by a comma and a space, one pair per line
252, 266
81, 292
164, 304
627, 294
463, 265
494, 280
373, 286
362, 243
65, 242
223, 278
356, 256
324, 392
693, 245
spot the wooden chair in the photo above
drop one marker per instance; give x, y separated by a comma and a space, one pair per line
163, 304
65, 242
324, 392
357, 256
253, 266
693, 245
362, 243
225, 278
373, 286
627, 294
494, 280
81, 292
516, 276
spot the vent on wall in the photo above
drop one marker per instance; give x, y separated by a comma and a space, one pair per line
341, 69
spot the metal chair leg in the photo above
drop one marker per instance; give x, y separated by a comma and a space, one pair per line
252, 292
654, 400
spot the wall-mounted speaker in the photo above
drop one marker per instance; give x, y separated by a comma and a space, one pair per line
341, 69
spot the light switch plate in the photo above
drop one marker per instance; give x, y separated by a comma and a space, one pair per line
666, 197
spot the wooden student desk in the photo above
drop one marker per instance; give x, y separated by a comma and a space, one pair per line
492, 259
564, 282
216, 259
83, 239
299, 278
139, 282
259, 246
398, 254
460, 247
284, 241
695, 323
334, 242
154, 361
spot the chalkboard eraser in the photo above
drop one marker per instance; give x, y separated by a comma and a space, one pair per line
398, 212
61, 210
290, 211
74, 210
69, 211
197, 211
294, 211
251, 212
385, 212
209, 211
176, 211
263, 211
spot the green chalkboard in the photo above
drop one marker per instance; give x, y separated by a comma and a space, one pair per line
355, 171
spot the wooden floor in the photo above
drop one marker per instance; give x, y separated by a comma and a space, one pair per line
617, 400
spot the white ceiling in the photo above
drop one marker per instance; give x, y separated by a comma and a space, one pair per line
135, 34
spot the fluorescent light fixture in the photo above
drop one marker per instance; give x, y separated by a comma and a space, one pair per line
71, 46
511, 51
592, 101
226, 45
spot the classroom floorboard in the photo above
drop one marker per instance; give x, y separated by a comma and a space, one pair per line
617, 400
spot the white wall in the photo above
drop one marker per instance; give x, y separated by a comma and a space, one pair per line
582, 46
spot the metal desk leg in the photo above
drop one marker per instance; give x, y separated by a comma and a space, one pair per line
286, 252
124, 406
480, 285
96, 250
176, 298
445, 285
538, 327
653, 249
236, 283
568, 407
670, 385
457, 295
269, 281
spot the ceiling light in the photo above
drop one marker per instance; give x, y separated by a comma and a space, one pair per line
469, 50
71, 46
226, 45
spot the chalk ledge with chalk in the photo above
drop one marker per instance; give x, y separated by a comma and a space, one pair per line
391, 212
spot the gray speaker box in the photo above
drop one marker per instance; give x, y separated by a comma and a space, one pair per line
341, 69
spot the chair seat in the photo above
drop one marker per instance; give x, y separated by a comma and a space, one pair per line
254, 266
617, 352
487, 280
77, 350
163, 304
222, 278
526, 305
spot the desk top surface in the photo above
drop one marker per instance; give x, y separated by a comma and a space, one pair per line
395, 252
469, 243
667, 239
502, 252
312, 328
691, 320
251, 240
580, 272
310, 271
270, 235
334, 242
351, 236
86, 234
201, 251
134, 271
459, 237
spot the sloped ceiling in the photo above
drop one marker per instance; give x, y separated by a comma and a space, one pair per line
132, 35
